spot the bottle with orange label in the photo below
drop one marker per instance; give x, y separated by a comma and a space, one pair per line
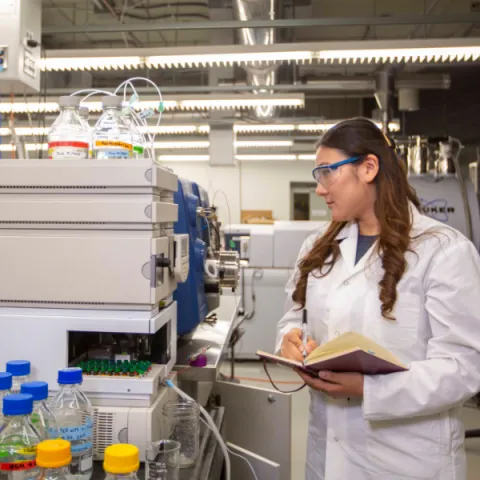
18, 440
112, 137
68, 138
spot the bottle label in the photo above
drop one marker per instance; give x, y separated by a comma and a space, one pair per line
138, 149
73, 434
86, 463
114, 149
17, 466
67, 150
81, 447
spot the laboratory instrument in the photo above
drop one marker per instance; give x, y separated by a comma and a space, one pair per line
54, 457
268, 254
211, 269
21, 22
42, 417
101, 232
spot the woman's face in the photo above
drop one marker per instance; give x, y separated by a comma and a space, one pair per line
347, 190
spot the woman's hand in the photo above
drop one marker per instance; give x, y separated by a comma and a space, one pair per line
335, 385
292, 345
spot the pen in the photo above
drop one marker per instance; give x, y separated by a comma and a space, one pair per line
304, 332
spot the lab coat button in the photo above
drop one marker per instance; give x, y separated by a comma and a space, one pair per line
345, 283
336, 439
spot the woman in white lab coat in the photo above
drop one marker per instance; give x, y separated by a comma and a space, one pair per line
408, 282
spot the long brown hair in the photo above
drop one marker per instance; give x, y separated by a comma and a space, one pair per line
360, 137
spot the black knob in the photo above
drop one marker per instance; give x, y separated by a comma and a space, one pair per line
162, 262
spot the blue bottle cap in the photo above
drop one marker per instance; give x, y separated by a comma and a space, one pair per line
70, 376
17, 404
18, 368
38, 390
5, 381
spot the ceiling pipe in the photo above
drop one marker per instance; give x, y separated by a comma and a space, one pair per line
443, 19
384, 93
246, 10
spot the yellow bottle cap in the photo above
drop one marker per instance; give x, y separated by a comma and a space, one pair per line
53, 454
121, 458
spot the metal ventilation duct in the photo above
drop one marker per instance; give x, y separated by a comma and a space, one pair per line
258, 10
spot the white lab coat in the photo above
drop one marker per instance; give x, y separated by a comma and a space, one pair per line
407, 425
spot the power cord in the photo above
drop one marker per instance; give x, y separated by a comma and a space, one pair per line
211, 424
257, 274
235, 454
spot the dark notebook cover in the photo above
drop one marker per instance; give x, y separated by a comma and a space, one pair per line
355, 360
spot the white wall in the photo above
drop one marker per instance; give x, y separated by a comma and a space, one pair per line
248, 185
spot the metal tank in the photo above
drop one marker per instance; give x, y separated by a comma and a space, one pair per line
446, 195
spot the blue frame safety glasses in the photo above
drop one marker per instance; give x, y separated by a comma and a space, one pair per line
325, 175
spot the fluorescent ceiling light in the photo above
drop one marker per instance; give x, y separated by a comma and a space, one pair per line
309, 157
255, 157
181, 145
238, 144
183, 158
90, 63
29, 147
263, 143
205, 102
369, 51
324, 126
175, 129
265, 128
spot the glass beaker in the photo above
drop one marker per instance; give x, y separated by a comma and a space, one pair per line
161, 460
182, 422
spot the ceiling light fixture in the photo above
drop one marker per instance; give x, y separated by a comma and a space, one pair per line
206, 102
255, 157
184, 158
90, 63
369, 51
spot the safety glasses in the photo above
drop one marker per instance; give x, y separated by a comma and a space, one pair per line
325, 175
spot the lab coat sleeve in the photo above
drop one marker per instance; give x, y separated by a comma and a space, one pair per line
451, 373
292, 317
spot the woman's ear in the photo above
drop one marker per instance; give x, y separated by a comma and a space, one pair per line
369, 168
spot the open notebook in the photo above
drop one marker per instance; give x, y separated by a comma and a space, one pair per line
350, 352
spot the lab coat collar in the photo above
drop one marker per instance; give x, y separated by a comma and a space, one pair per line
351, 228
348, 238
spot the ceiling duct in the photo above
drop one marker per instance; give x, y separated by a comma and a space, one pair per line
258, 10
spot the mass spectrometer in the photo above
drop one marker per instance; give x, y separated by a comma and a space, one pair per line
445, 193
20, 38
90, 263
211, 268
